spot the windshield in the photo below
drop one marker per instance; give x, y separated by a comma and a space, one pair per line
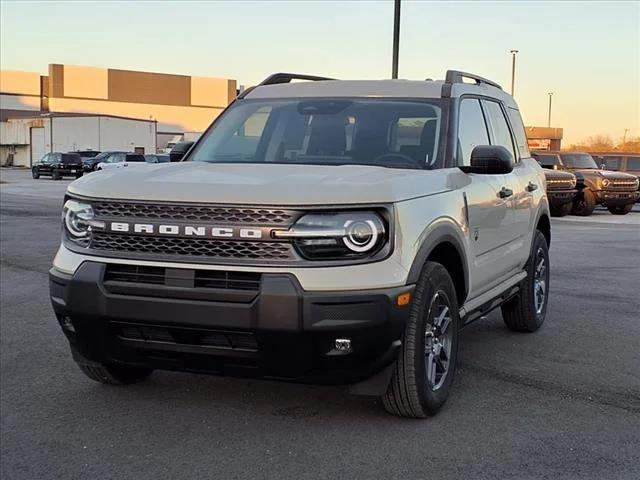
546, 160
134, 157
401, 134
578, 160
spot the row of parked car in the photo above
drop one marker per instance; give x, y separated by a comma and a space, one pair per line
578, 182
73, 164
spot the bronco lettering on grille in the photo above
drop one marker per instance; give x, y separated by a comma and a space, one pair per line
161, 229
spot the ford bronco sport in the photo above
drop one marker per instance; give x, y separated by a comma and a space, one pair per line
616, 191
322, 231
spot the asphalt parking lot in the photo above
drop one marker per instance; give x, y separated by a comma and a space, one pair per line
561, 403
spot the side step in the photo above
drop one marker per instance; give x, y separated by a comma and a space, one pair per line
488, 301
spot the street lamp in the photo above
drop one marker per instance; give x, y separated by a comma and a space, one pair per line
396, 39
549, 120
513, 70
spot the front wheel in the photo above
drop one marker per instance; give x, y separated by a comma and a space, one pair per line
56, 175
584, 204
35, 173
621, 210
526, 312
115, 374
424, 371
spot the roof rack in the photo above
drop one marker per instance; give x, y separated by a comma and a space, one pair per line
287, 77
456, 76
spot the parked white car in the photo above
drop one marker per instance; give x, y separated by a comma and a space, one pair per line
122, 160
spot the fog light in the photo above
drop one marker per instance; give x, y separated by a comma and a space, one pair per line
343, 345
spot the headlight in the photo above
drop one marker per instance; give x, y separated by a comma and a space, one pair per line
78, 219
605, 182
334, 236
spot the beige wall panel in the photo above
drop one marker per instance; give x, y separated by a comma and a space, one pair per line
145, 87
25, 83
85, 82
212, 92
170, 118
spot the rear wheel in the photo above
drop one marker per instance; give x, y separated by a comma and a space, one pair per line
35, 173
621, 210
425, 367
526, 312
56, 175
584, 204
115, 374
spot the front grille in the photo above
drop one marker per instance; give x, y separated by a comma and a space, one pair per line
622, 185
197, 337
236, 215
194, 247
218, 279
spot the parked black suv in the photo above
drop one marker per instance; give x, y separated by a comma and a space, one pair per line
58, 165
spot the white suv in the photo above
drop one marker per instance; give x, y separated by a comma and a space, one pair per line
322, 231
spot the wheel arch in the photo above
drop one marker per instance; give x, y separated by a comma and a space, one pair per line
444, 244
544, 225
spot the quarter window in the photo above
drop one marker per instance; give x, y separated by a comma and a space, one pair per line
472, 130
501, 135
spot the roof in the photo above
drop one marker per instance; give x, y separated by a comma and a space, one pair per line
375, 89
78, 115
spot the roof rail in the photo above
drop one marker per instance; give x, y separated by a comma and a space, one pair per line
287, 77
456, 76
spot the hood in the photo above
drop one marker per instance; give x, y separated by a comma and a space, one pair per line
557, 175
611, 175
266, 184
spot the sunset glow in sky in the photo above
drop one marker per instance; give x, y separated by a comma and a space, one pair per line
588, 53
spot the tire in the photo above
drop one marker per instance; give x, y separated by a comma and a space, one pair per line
621, 210
562, 210
35, 173
526, 312
410, 393
115, 375
55, 175
584, 203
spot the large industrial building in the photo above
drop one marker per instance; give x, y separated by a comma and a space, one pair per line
102, 109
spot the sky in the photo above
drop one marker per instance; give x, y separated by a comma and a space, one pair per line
587, 53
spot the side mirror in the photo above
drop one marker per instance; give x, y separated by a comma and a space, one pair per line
490, 160
179, 150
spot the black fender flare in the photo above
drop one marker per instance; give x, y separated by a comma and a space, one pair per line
445, 232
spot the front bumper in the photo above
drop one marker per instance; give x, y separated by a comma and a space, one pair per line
277, 331
557, 198
609, 198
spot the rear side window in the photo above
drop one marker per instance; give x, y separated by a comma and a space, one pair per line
633, 163
135, 158
501, 135
472, 130
71, 158
519, 133
611, 163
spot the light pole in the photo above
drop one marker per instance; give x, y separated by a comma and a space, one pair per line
549, 120
396, 39
624, 137
513, 70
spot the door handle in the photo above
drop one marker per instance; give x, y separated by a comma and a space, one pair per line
532, 187
505, 192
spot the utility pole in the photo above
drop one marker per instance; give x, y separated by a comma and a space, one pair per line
396, 38
624, 137
513, 70
549, 120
